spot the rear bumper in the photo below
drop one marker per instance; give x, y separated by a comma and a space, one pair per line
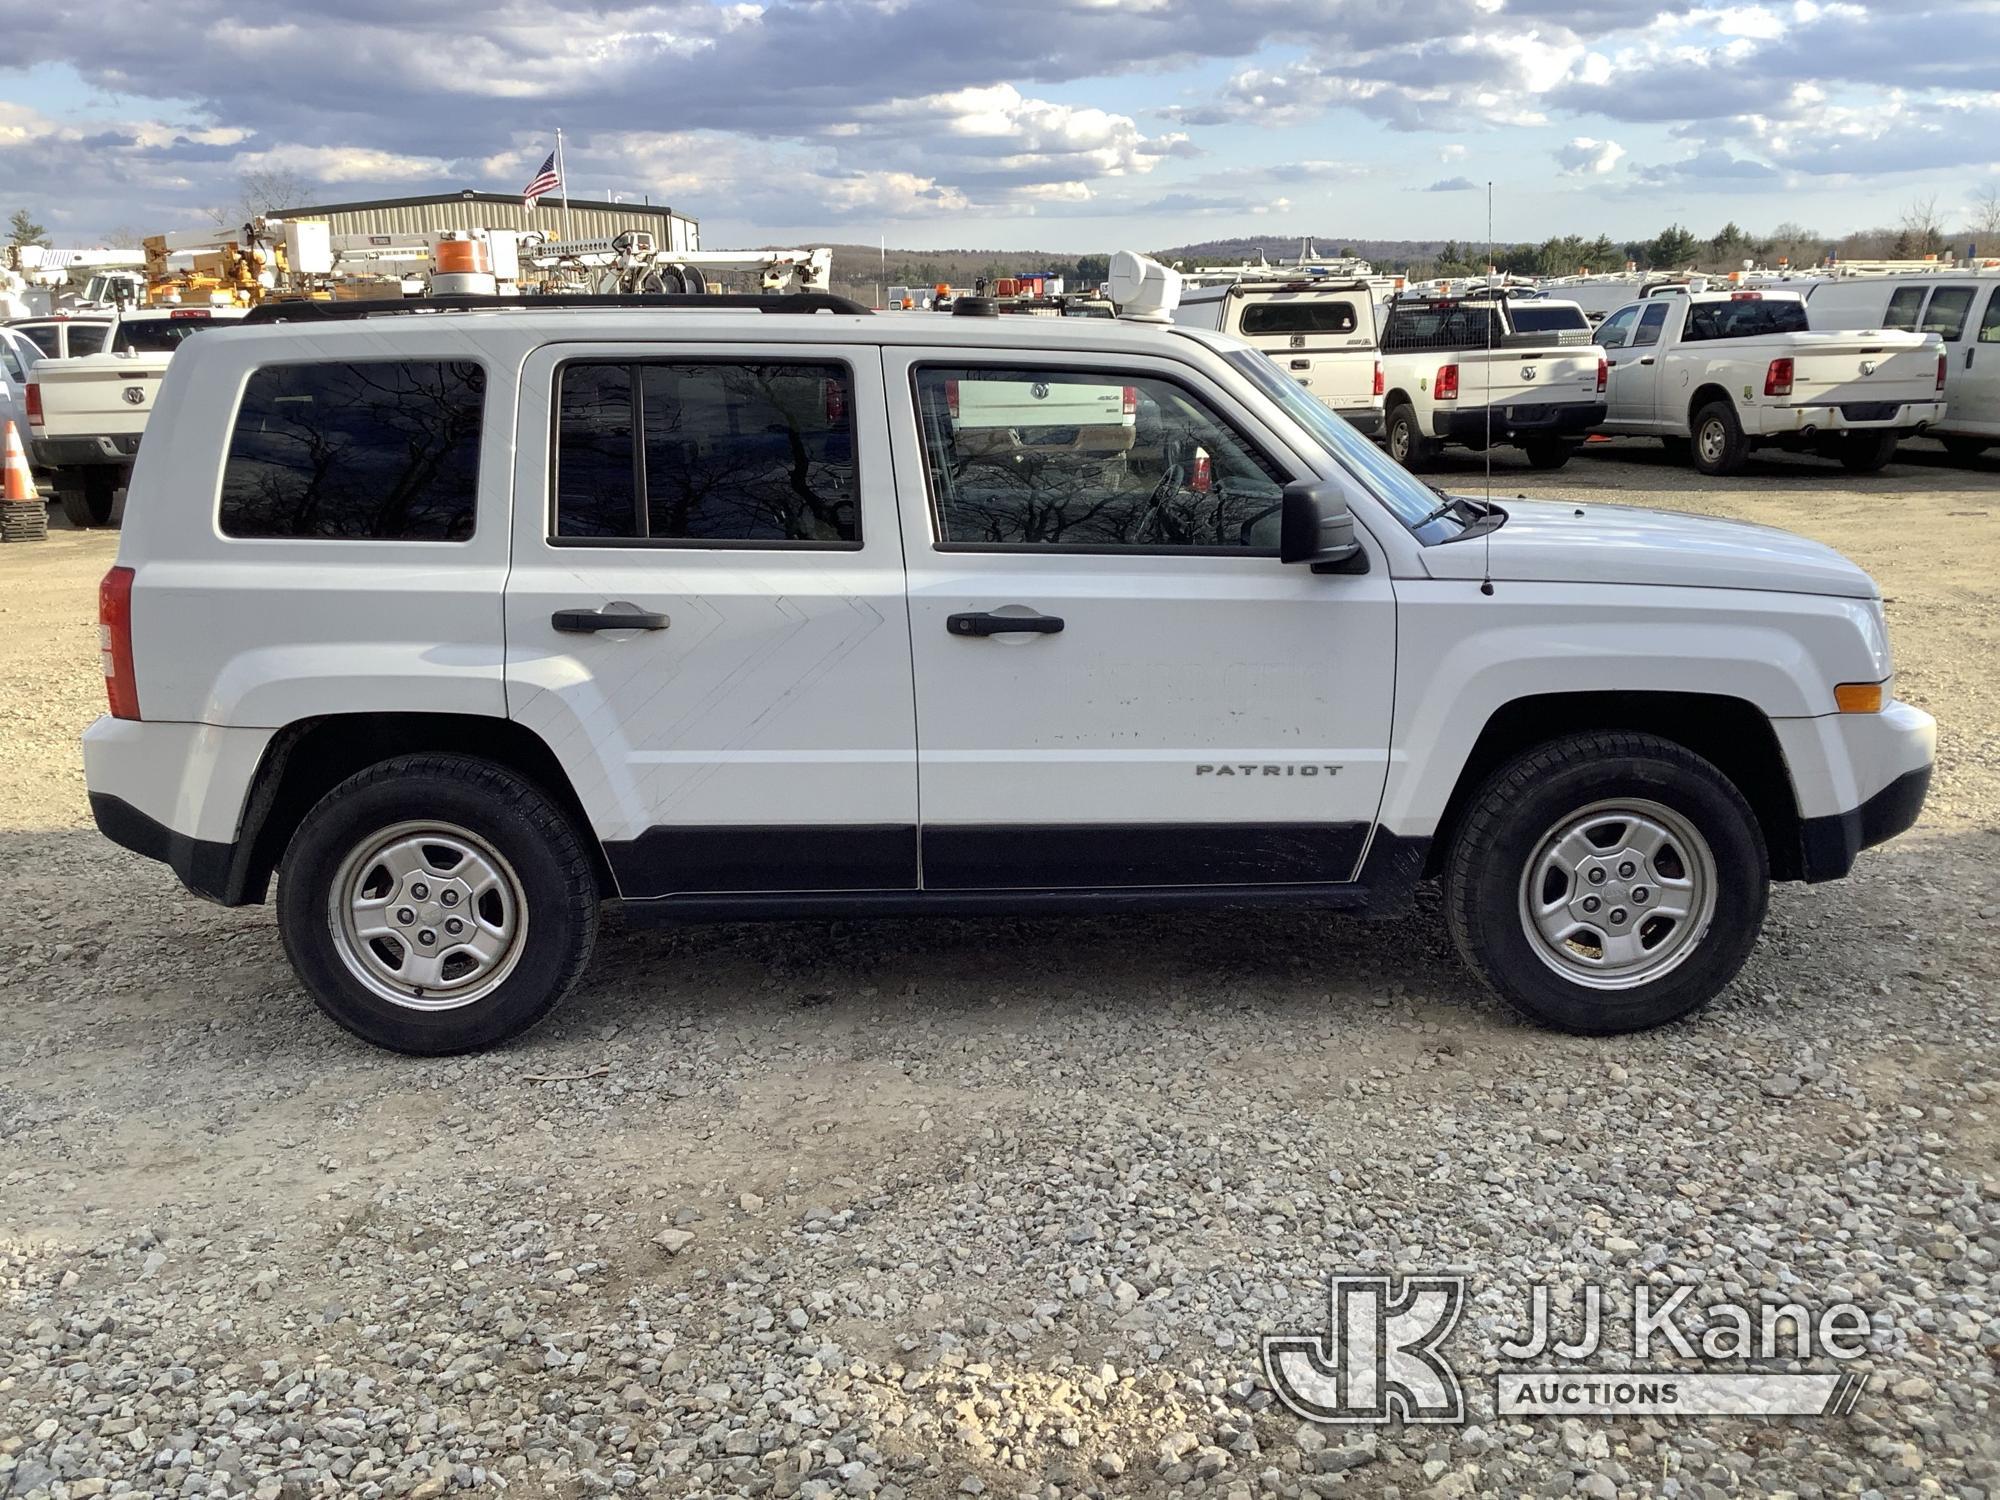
1521, 421
205, 867
1366, 420
1848, 416
78, 452
178, 793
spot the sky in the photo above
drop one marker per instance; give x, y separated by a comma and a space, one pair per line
1079, 126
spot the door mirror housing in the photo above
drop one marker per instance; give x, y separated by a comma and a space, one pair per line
1317, 527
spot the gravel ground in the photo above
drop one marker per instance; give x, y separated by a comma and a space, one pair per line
1003, 1207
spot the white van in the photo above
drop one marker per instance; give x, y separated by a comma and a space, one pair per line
1962, 309
1321, 332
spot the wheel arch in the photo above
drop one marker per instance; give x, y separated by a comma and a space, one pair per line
1703, 395
1732, 734
308, 758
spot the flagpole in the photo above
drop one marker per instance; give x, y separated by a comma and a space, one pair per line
562, 184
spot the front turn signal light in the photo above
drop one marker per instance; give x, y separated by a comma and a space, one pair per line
1861, 697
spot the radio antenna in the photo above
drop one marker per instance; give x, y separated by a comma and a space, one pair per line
1493, 303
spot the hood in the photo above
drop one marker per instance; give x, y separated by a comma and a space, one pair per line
1590, 542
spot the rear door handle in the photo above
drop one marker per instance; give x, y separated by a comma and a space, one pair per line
991, 624
614, 616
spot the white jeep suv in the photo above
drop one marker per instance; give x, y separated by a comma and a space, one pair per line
462, 618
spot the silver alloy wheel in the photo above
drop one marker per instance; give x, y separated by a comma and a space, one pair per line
1399, 442
1618, 894
427, 915
1714, 440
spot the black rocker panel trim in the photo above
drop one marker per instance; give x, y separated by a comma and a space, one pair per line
673, 860
1105, 856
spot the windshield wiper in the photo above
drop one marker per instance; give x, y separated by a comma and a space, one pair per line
1478, 509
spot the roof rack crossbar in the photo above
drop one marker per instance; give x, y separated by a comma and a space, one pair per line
772, 302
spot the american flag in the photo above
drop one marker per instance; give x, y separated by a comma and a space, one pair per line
545, 181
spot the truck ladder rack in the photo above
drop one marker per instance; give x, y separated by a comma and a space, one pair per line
775, 302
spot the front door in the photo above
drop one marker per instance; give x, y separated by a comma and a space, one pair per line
751, 728
1973, 385
1118, 683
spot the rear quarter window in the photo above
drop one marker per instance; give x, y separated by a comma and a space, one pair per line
363, 451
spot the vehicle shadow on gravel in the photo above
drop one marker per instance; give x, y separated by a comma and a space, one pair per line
1939, 473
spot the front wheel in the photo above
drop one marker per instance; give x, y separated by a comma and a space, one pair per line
1867, 452
437, 903
1720, 447
1546, 452
1607, 882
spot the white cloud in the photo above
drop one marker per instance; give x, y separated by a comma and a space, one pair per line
1584, 157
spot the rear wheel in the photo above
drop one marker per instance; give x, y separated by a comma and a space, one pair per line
1547, 452
437, 903
1406, 440
87, 496
1867, 452
1607, 882
1719, 445
1965, 449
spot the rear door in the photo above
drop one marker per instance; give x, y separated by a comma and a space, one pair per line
1972, 382
1325, 340
753, 728
1118, 683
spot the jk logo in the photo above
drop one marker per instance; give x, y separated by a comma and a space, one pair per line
1378, 1361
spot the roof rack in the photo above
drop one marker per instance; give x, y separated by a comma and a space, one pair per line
337, 312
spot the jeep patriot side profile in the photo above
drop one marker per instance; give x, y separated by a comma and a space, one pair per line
726, 612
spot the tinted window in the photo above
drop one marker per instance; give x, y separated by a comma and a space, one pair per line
87, 338
47, 338
370, 451
1651, 321
158, 335
1946, 314
1904, 308
1085, 458
1615, 331
11, 363
721, 452
1298, 317
1532, 318
1743, 320
1989, 326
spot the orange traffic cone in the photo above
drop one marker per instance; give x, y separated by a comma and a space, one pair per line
23, 517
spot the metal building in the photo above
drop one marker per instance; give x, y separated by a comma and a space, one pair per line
466, 209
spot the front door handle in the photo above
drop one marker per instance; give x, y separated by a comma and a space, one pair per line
1647, 360
614, 616
990, 624
1968, 358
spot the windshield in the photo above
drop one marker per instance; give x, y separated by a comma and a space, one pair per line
1395, 486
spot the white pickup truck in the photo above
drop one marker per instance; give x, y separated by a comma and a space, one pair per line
86, 413
1320, 329
1489, 370
1724, 373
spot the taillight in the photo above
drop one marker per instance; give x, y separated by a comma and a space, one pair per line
1944, 363
1378, 378
35, 404
836, 404
114, 643
1131, 403
1778, 378
951, 399
1447, 384
1203, 478
1603, 375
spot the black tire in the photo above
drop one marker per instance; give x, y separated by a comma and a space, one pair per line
557, 888
1406, 441
1718, 446
1678, 449
1867, 452
87, 498
1525, 802
1547, 452
1965, 449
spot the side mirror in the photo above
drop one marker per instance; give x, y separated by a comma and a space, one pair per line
1317, 527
